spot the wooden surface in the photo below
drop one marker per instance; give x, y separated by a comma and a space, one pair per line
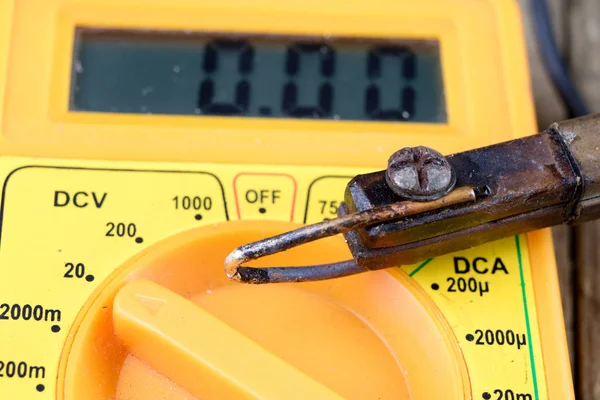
584, 18
577, 29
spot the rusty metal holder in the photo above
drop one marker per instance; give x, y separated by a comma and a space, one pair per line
550, 178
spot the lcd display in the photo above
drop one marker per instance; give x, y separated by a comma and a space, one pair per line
188, 73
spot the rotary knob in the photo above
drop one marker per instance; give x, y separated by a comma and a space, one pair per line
168, 324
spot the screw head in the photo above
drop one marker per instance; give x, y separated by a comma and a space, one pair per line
419, 174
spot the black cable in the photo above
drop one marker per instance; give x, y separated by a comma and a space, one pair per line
554, 62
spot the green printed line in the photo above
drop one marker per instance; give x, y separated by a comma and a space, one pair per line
533, 372
420, 267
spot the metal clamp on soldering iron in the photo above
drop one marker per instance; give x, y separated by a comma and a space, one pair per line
425, 205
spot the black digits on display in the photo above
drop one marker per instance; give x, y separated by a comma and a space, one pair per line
293, 63
268, 77
206, 93
406, 60
322, 105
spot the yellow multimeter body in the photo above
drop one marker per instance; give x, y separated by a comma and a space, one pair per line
120, 202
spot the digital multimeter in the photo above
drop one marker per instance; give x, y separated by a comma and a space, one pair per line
143, 140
